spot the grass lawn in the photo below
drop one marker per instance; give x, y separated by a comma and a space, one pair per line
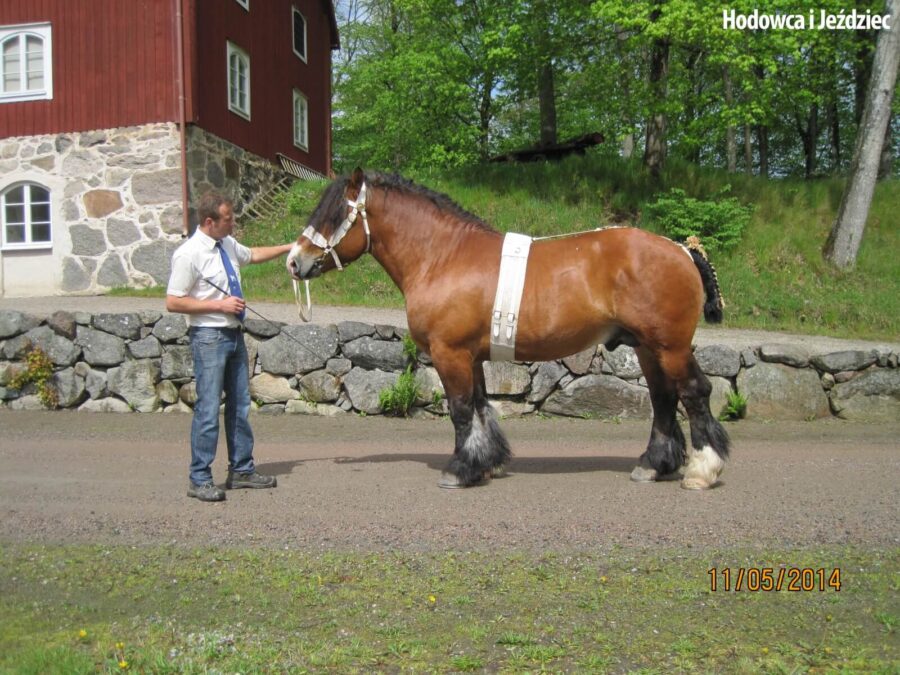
160, 609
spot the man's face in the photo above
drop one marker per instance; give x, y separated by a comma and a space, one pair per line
221, 228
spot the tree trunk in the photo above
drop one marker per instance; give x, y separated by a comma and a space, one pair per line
834, 124
547, 99
748, 150
843, 243
886, 166
628, 146
484, 116
762, 142
730, 131
655, 149
809, 133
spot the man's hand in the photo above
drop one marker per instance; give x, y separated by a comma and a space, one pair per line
232, 305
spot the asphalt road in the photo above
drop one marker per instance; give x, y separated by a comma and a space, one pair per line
353, 483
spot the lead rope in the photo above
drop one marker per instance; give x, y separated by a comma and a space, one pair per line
304, 313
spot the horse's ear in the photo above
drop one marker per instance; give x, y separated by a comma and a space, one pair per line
357, 178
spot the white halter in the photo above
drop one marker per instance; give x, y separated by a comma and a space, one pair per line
327, 245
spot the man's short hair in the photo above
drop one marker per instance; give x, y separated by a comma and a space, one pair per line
209, 206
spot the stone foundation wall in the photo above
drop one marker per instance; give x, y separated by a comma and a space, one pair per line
117, 194
214, 163
142, 362
116, 201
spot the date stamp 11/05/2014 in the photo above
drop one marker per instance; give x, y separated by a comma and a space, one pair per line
791, 579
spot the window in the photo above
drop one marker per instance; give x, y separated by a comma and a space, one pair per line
25, 213
299, 22
301, 121
238, 81
245, 4
25, 63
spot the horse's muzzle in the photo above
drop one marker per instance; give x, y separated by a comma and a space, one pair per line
302, 266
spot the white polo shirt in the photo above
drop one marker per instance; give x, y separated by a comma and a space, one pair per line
198, 259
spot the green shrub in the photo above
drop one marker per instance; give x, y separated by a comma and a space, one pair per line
397, 400
38, 370
718, 223
735, 407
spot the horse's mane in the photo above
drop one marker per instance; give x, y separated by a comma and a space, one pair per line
331, 208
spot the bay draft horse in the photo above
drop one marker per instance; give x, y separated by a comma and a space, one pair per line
612, 286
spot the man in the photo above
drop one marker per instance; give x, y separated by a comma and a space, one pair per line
211, 258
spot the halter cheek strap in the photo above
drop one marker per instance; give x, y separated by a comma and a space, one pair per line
357, 207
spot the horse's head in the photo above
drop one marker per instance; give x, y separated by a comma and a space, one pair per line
337, 232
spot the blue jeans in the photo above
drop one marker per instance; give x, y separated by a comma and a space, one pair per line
220, 363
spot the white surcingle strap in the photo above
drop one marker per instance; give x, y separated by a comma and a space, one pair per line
511, 283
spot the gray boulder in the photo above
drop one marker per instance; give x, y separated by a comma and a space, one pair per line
580, 363
779, 392
873, 396
503, 378
170, 328
718, 360
63, 324
369, 353
283, 356
100, 348
267, 388
263, 329
109, 404
135, 381
69, 388
61, 351
126, 326
14, 323
600, 396
364, 387
177, 363
147, 348
621, 362
545, 380
789, 355
836, 362
320, 387
352, 330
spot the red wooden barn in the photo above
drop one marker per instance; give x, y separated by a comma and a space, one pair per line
115, 116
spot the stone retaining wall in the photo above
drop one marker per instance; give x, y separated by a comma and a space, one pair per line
142, 362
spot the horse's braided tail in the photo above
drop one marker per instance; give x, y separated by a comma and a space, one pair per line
712, 308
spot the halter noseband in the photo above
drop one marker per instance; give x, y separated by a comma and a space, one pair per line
327, 245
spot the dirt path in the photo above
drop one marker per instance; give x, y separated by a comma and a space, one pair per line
370, 484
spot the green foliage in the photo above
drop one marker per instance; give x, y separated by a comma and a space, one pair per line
409, 348
38, 371
735, 407
398, 399
718, 223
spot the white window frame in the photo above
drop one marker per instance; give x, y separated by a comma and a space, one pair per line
28, 244
233, 50
303, 56
41, 31
244, 3
301, 140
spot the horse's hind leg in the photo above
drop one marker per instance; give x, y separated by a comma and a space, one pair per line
709, 440
665, 451
476, 451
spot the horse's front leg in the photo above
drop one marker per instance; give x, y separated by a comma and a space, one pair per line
473, 454
488, 416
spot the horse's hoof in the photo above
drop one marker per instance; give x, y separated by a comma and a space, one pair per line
703, 469
450, 481
498, 471
642, 475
